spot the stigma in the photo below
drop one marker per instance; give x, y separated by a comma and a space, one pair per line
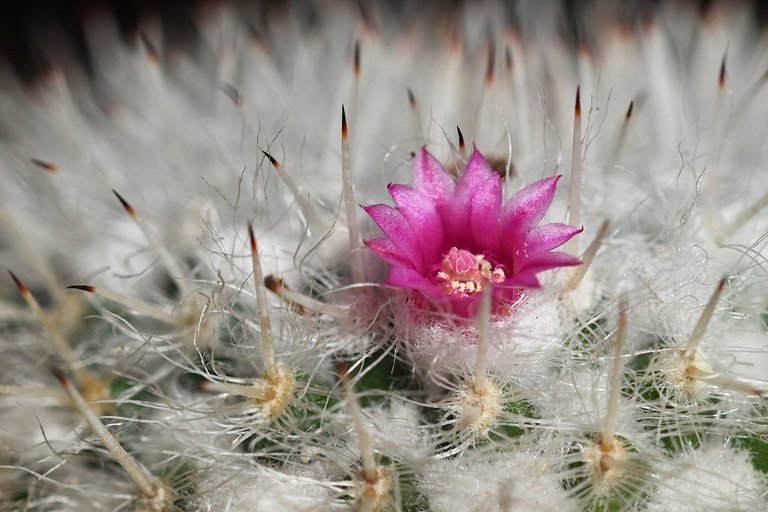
462, 273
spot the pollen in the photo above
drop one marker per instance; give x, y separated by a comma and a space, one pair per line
462, 273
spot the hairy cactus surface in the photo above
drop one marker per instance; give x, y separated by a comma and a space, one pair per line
386, 256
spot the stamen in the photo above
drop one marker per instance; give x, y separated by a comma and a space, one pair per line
463, 274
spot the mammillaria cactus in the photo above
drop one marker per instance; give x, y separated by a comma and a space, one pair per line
567, 310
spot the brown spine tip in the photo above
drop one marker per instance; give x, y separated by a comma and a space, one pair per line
152, 53
462, 146
343, 123
128, 208
508, 59
411, 98
271, 159
357, 58
23, 289
721, 284
47, 166
273, 283
341, 369
233, 94
251, 237
628, 115
578, 101
84, 287
60, 376
721, 77
491, 63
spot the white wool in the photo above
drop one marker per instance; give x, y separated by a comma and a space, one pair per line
397, 431
260, 491
712, 478
578, 400
525, 346
394, 428
581, 301
666, 288
487, 482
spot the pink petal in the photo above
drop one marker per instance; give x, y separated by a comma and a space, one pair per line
408, 278
522, 212
431, 179
419, 211
387, 251
399, 232
524, 279
486, 203
549, 236
549, 260
475, 205
527, 207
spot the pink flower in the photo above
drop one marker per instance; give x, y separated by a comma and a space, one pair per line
449, 240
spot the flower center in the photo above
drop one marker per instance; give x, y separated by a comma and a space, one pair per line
463, 273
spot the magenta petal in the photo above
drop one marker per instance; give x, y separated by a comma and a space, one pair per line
527, 207
421, 214
407, 278
549, 260
486, 205
549, 236
525, 279
431, 179
387, 251
475, 205
399, 232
